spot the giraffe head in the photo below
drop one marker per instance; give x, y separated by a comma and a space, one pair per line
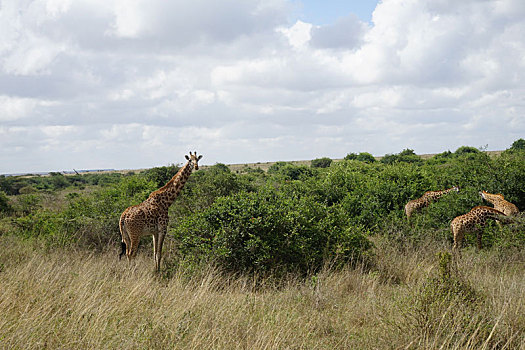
194, 159
489, 196
455, 188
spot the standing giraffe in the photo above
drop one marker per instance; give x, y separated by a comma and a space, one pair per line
472, 221
151, 216
500, 203
425, 200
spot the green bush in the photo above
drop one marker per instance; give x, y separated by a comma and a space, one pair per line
518, 145
351, 156
5, 207
161, 175
465, 150
366, 157
507, 173
268, 230
441, 158
363, 157
205, 186
58, 181
406, 156
44, 225
324, 162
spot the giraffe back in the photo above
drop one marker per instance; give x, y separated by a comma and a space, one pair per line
475, 218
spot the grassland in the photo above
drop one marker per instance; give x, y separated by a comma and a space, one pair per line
64, 299
63, 287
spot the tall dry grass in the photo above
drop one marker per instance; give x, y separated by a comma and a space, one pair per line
75, 299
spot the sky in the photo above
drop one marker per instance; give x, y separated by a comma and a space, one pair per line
130, 84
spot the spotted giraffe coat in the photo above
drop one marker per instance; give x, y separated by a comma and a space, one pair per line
151, 216
425, 200
473, 221
500, 203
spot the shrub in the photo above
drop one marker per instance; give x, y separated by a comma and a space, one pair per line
205, 186
324, 162
406, 156
161, 175
389, 158
507, 173
466, 149
45, 225
268, 230
5, 207
441, 158
58, 181
363, 157
289, 171
351, 156
366, 157
275, 167
407, 152
518, 145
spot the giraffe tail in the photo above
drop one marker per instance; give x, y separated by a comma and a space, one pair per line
122, 233
123, 250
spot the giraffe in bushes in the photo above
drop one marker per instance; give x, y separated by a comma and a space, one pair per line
500, 203
151, 216
473, 221
424, 201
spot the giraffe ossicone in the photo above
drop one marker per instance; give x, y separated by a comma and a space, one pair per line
151, 216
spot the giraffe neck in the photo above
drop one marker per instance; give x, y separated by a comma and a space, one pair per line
494, 200
439, 194
165, 195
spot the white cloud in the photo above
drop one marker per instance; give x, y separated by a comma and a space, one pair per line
346, 33
138, 83
298, 35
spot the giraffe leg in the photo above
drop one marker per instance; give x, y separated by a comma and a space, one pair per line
159, 239
133, 248
155, 248
458, 238
478, 234
159, 250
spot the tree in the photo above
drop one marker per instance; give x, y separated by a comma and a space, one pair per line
324, 162
389, 158
407, 152
465, 150
351, 156
366, 157
363, 157
161, 175
518, 144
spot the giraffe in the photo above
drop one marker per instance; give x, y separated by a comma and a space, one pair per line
473, 221
151, 216
500, 203
425, 200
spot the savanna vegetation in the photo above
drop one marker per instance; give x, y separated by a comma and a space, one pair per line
298, 256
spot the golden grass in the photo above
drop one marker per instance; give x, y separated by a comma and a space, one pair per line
76, 299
